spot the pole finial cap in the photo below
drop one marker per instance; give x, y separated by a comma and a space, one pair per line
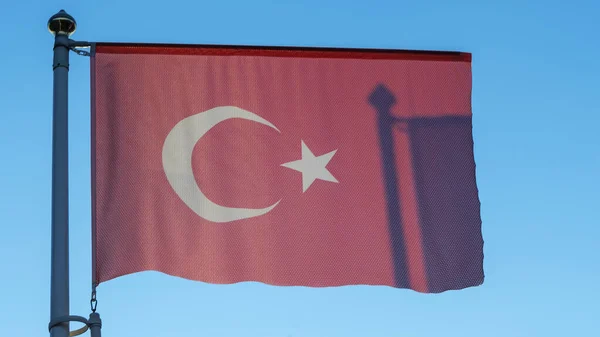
62, 23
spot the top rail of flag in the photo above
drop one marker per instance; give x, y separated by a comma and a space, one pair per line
280, 51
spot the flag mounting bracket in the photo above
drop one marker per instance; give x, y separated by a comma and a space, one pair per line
76, 47
92, 323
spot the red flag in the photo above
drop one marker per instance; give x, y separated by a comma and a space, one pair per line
287, 166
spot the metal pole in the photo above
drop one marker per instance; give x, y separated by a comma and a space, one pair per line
62, 26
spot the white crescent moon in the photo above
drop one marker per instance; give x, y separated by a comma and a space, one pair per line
177, 163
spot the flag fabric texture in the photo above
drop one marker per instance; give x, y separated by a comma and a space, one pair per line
287, 166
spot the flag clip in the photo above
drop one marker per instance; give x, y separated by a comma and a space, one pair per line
93, 300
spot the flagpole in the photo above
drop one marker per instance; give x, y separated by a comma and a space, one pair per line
61, 25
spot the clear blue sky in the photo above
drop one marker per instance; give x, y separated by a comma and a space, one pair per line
536, 89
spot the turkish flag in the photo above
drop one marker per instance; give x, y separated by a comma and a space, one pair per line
287, 166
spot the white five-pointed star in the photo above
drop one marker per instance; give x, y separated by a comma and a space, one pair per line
312, 167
